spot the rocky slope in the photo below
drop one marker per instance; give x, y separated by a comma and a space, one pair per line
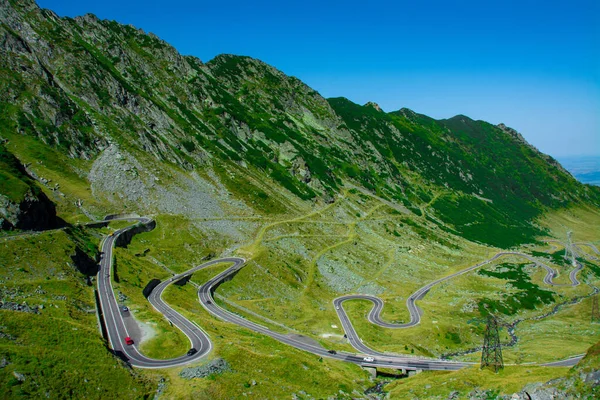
23, 205
234, 155
99, 90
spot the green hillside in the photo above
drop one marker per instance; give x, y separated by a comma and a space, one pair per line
323, 197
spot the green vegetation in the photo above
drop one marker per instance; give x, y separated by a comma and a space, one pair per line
52, 349
14, 182
322, 197
527, 297
442, 384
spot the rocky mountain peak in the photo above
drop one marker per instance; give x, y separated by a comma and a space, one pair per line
519, 138
373, 105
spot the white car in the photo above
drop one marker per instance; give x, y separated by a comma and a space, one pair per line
369, 359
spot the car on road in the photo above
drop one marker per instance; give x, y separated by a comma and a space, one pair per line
192, 351
208, 302
332, 351
128, 341
337, 308
124, 309
369, 359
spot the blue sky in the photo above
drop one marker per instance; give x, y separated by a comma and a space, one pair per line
533, 65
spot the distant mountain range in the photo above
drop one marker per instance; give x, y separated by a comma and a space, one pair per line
585, 168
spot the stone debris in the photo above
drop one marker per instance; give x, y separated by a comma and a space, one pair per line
18, 376
9, 305
215, 366
162, 386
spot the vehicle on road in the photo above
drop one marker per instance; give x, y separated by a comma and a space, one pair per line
369, 359
124, 309
337, 308
332, 351
128, 341
192, 351
208, 302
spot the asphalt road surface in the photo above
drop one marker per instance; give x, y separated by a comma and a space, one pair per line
117, 330
115, 325
414, 311
205, 295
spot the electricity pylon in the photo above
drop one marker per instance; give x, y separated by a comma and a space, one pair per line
569, 253
491, 355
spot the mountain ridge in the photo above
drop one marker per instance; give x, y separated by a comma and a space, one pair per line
134, 90
322, 197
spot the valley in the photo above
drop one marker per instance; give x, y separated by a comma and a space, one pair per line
297, 239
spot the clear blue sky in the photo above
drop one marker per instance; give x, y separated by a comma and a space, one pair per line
534, 65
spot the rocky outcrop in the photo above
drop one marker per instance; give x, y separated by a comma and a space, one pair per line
215, 366
85, 264
373, 105
35, 212
12, 306
23, 205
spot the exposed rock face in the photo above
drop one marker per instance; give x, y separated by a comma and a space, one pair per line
374, 105
23, 205
160, 128
84, 263
35, 212
215, 366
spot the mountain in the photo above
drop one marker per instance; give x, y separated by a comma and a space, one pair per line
85, 87
98, 117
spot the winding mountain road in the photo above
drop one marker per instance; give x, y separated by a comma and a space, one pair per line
205, 295
415, 312
115, 324
199, 340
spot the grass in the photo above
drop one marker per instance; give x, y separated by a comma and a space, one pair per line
567, 333
442, 384
528, 295
51, 164
14, 184
277, 369
302, 253
134, 274
381, 247
53, 349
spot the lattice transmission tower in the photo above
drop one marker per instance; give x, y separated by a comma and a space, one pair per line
569, 253
595, 309
491, 355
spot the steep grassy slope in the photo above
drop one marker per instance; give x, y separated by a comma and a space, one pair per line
23, 205
323, 197
90, 87
519, 382
50, 345
488, 183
